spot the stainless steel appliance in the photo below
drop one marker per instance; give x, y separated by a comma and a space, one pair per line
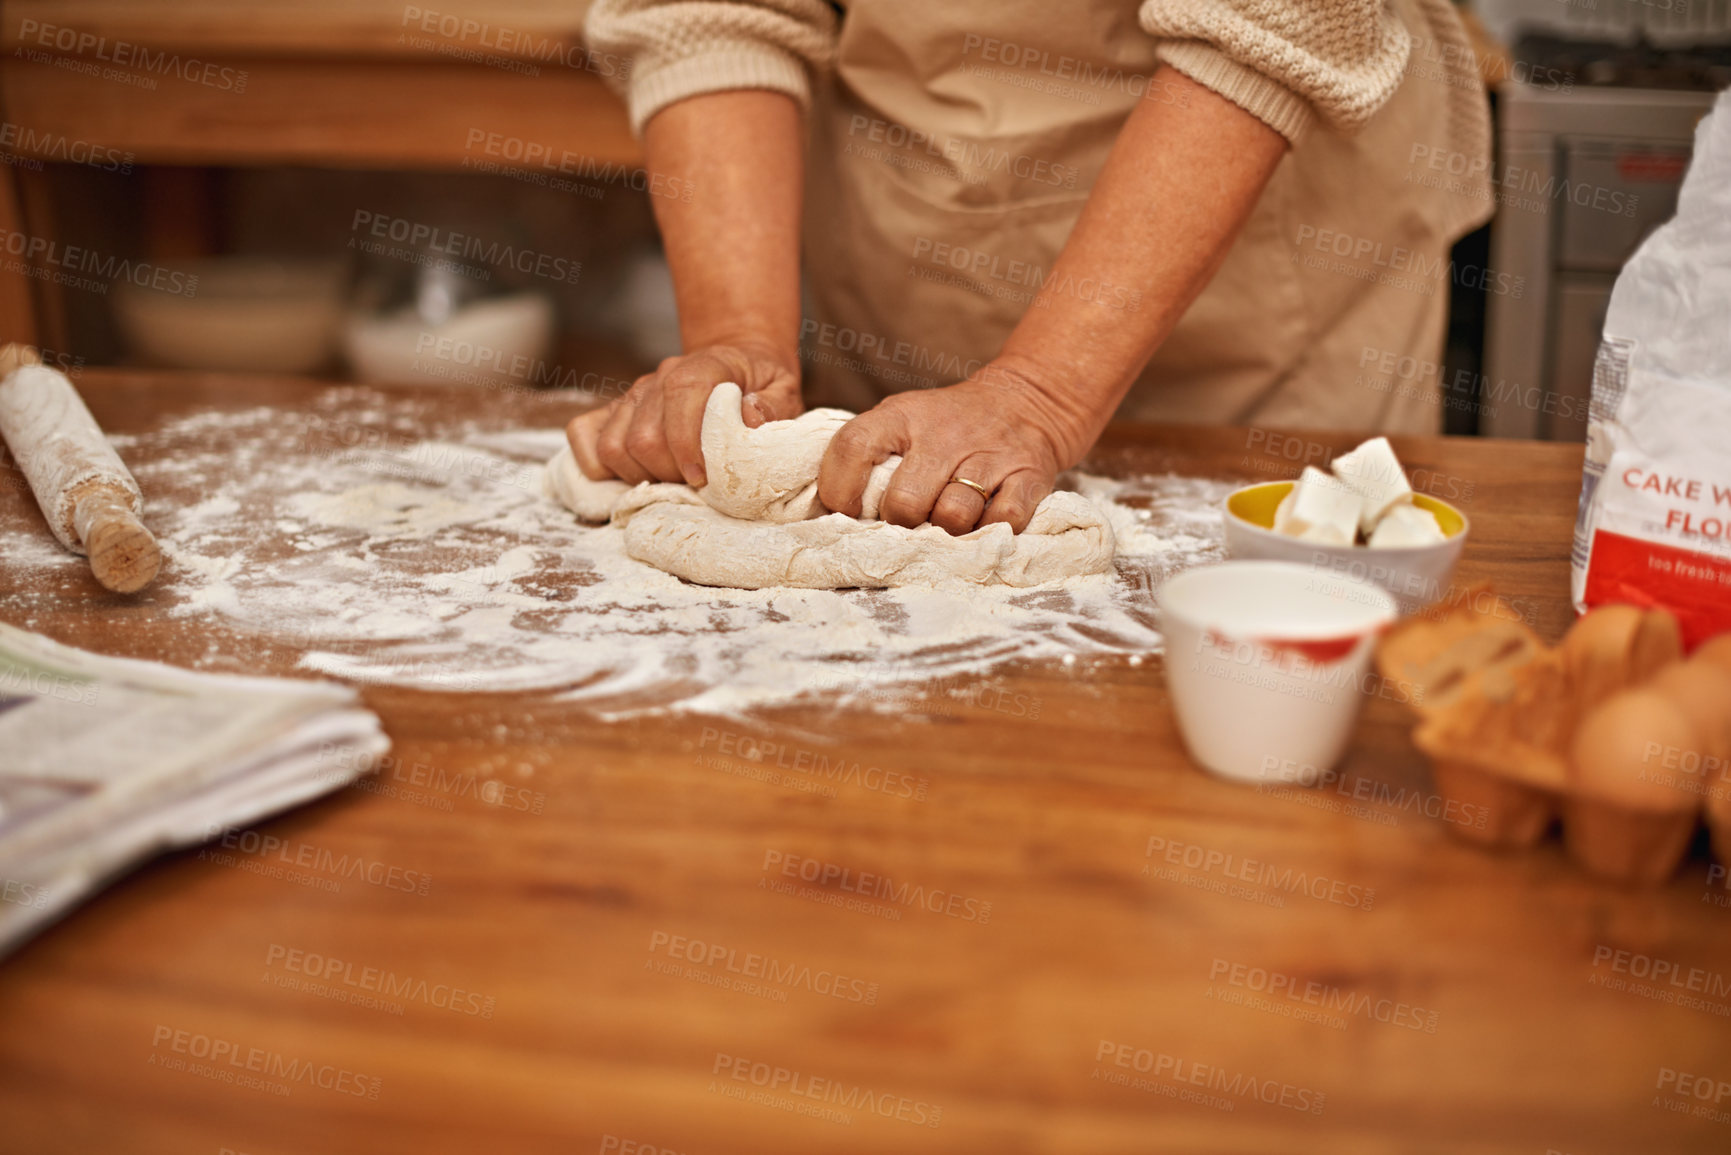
1588, 163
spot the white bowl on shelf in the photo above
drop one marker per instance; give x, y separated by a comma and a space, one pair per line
241, 314
493, 341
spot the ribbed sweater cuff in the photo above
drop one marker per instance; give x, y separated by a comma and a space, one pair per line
1273, 104
721, 67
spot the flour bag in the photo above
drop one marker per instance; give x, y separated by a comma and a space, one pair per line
1654, 525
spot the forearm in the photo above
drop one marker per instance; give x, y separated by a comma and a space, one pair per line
1182, 178
734, 246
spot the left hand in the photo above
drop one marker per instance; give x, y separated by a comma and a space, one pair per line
998, 428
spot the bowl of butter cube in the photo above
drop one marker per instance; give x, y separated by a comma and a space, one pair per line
1360, 518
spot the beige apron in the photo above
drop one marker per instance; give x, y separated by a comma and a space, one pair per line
948, 167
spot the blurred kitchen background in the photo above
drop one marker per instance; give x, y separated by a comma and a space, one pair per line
378, 191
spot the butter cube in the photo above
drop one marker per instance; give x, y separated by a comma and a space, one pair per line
1375, 474
1320, 508
1406, 525
1283, 511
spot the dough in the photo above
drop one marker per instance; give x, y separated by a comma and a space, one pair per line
758, 522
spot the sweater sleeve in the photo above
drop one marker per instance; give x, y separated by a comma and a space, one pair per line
1286, 62
684, 48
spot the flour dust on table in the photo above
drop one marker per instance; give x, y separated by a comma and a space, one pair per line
371, 539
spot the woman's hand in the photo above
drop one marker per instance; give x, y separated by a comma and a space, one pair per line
1183, 176
733, 248
655, 432
999, 429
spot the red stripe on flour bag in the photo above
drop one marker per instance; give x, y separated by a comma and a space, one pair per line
1694, 586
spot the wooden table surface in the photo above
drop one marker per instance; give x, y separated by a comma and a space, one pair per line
1110, 999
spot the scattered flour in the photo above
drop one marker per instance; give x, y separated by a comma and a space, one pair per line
379, 557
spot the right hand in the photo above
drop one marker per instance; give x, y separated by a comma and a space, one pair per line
655, 432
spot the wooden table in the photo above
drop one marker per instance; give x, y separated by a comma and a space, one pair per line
1464, 1001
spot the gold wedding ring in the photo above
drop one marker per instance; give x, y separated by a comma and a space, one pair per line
985, 494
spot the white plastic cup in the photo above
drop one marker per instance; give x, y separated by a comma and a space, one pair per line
1266, 664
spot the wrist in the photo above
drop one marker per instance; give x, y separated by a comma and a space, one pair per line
759, 341
1068, 425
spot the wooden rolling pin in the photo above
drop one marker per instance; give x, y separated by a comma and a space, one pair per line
90, 500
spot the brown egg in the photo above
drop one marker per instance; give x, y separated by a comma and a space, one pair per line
1703, 691
1703, 688
1611, 625
1618, 646
1622, 746
1658, 643
1716, 650
1629, 816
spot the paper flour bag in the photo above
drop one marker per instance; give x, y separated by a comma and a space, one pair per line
1654, 526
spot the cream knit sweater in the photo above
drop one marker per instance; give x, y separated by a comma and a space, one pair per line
1287, 62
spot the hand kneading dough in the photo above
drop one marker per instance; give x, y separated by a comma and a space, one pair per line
758, 522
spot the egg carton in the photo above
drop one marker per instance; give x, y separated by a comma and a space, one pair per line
1611, 732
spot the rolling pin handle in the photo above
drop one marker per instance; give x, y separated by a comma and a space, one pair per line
124, 555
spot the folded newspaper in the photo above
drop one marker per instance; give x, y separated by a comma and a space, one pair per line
105, 762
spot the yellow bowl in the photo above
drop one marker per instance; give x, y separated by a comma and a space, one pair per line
1417, 575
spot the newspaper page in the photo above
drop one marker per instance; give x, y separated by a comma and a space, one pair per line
107, 761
